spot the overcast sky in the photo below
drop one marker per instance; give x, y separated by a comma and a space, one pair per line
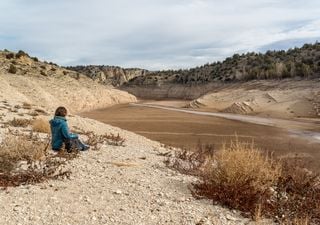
154, 34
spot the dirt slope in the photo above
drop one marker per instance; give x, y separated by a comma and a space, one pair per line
25, 79
285, 99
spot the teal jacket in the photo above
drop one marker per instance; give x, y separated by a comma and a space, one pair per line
60, 132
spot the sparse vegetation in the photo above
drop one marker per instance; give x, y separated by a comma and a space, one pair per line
21, 54
17, 122
26, 105
10, 55
43, 73
94, 140
241, 177
40, 125
41, 111
25, 160
12, 69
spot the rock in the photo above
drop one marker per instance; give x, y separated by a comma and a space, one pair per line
229, 217
118, 192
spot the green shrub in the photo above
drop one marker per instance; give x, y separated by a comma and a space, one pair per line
12, 69
21, 54
10, 55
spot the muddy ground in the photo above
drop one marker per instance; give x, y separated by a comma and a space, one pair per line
187, 130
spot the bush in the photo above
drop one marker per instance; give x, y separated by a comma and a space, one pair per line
21, 54
19, 148
12, 69
43, 73
238, 176
10, 55
41, 111
95, 140
241, 177
41, 125
31, 152
19, 122
26, 105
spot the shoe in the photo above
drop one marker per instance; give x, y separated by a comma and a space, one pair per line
85, 148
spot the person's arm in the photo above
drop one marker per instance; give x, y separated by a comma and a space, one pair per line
65, 132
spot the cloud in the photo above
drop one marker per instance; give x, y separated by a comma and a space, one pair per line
154, 34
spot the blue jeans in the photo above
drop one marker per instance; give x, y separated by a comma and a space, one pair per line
75, 143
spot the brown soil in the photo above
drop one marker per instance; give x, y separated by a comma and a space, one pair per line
186, 130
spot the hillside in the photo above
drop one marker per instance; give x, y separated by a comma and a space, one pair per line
297, 62
112, 75
286, 99
26, 79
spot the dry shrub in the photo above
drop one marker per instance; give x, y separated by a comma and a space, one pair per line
19, 122
24, 159
41, 111
112, 139
10, 55
12, 69
296, 221
41, 125
21, 54
19, 148
241, 177
191, 162
297, 194
26, 105
94, 140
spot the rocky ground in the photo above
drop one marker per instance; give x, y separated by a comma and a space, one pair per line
114, 185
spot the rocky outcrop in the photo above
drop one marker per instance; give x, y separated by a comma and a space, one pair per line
112, 75
172, 91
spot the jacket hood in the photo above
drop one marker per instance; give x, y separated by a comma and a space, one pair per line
57, 121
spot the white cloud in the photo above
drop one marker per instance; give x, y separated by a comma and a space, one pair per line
154, 34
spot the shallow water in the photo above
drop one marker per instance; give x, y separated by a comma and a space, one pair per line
294, 127
181, 127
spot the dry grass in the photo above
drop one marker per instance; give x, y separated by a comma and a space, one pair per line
95, 140
241, 177
41, 111
297, 221
26, 105
24, 159
238, 175
241, 164
191, 161
41, 125
16, 122
19, 148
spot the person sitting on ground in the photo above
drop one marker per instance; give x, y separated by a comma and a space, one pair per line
61, 135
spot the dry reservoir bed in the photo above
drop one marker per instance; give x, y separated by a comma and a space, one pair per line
181, 129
